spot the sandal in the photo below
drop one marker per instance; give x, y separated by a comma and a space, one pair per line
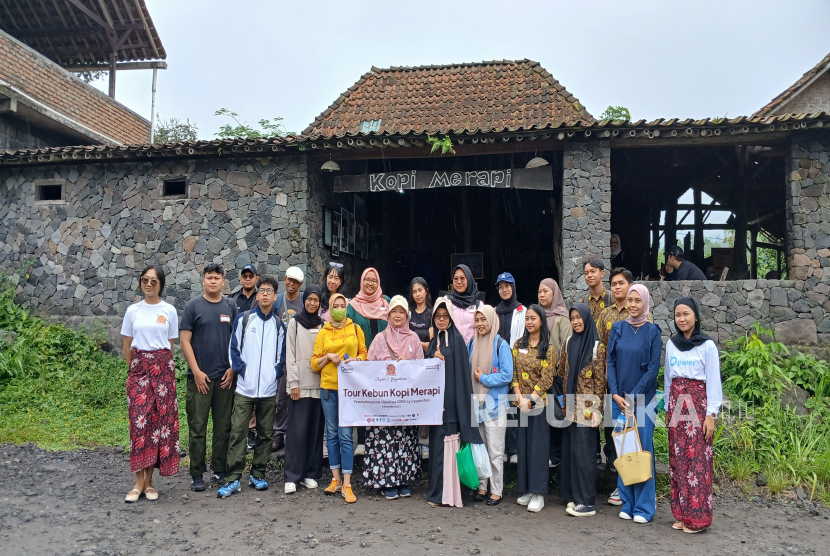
133, 496
677, 526
693, 531
432, 504
151, 494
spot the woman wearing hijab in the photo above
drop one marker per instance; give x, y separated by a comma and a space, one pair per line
332, 283
556, 312
369, 308
692, 381
534, 362
420, 310
303, 447
633, 362
392, 462
581, 367
464, 297
339, 339
617, 254
511, 313
446, 439
492, 363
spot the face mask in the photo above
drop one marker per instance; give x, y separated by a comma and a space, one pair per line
338, 314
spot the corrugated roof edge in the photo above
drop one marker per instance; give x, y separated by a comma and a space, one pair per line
659, 128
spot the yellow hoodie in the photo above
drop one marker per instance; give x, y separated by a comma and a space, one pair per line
348, 339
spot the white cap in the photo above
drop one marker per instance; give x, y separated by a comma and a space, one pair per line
294, 273
398, 301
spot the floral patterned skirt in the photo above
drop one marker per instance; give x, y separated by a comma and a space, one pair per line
391, 456
153, 412
690, 455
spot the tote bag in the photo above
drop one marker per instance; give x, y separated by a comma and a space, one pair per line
466, 467
481, 459
633, 467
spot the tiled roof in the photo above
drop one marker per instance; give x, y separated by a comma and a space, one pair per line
485, 96
818, 69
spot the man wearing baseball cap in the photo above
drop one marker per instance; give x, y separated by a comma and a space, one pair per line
245, 300
288, 305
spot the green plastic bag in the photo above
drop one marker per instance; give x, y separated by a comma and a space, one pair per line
466, 467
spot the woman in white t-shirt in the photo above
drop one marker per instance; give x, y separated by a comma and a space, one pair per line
150, 329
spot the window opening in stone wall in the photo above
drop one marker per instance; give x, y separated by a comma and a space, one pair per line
174, 188
50, 192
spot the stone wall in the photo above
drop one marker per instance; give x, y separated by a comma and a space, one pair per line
87, 251
797, 312
586, 210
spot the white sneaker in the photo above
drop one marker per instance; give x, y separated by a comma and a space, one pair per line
624, 515
552, 465
525, 499
424, 452
536, 503
290, 488
514, 458
360, 450
615, 499
570, 505
640, 519
308, 483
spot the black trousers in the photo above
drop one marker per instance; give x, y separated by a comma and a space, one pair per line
281, 420
579, 468
555, 450
534, 452
436, 464
511, 437
304, 446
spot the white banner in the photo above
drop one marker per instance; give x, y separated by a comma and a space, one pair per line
390, 393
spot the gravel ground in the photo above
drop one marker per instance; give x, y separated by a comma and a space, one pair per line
72, 503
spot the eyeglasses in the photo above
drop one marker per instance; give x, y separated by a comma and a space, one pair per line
267, 291
336, 265
370, 281
442, 317
459, 278
149, 281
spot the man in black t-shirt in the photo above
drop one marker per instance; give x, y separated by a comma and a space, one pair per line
205, 338
682, 269
245, 296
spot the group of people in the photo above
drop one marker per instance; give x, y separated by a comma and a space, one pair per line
264, 366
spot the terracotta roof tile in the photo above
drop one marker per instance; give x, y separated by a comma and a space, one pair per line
459, 97
819, 68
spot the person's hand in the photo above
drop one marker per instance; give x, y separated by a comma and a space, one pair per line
335, 359
201, 380
709, 427
295, 394
623, 404
596, 419
438, 353
477, 374
524, 404
227, 379
400, 359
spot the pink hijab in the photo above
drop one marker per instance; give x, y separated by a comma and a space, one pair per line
370, 306
402, 341
643, 317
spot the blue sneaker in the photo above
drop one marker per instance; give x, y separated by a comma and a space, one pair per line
259, 484
404, 491
229, 488
390, 493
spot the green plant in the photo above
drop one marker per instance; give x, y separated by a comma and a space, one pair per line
753, 367
174, 131
776, 480
809, 373
616, 113
269, 128
444, 143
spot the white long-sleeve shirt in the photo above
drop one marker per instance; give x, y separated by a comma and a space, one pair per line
699, 363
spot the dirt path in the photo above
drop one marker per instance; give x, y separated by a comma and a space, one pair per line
72, 503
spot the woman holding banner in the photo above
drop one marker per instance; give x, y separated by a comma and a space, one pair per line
392, 461
457, 426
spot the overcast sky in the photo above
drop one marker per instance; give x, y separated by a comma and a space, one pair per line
264, 59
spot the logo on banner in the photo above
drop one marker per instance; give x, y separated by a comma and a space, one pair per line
390, 370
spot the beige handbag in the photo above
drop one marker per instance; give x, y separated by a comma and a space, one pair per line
633, 467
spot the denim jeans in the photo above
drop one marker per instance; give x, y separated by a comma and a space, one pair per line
338, 439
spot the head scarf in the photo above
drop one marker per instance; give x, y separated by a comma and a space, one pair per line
697, 338
505, 309
402, 341
482, 356
458, 388
468, 296
618, 250
557, 306
337, 324
374, 306
310, 320
581, 346
643, 318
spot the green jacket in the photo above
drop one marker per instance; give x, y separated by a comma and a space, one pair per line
364, 325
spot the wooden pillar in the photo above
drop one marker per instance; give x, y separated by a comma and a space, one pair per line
465, 222
655, 243
739, 208
698, 227
753, 248
671, 224
496, 218
112, 75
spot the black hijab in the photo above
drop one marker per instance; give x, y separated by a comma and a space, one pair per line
458, 385
468, 296
697, 338
505, 310
581, 346
310, 320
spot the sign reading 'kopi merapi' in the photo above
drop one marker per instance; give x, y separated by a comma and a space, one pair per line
390, 393
517, 178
